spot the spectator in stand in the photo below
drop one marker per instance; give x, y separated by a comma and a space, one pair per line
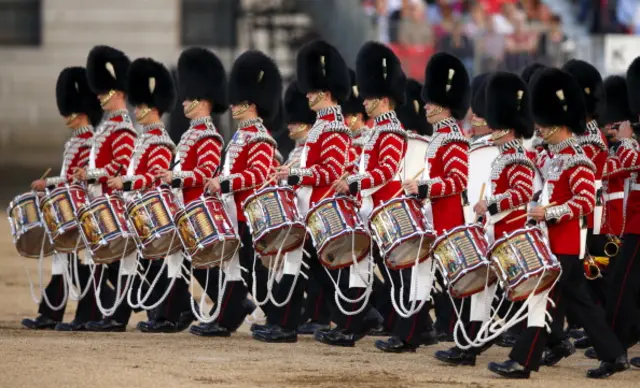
456, 43
477, 22
490, 46
415, 29
443, 17
552, 42
389, 12
520, 46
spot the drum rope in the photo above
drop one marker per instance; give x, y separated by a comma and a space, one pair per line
121, 293
43, 294
75, 281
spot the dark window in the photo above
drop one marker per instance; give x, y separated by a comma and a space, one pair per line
20, 22
209, 23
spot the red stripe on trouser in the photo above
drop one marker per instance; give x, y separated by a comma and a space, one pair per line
169, 299
316, 312
226, 301
624, 281
533, 345
413, 327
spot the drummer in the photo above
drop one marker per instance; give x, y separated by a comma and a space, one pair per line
381, 84
509, 185
151, 91
110, 154
79, 108
558, 108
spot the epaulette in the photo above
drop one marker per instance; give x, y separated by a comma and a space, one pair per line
336, 126
455, 137
202, 134
518, 158
392, 128
483, 142
164, 140
579, 159
126, 127
262, 137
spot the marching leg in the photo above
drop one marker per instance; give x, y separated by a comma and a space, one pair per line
48, 318
117, 322
87, 310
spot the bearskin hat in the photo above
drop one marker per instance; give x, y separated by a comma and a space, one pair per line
354, 104
507, 107
617, 107
531, 70
446, 83
557, 100
73, 94
633, 87
296, 106
411, 114
590, 81
478, 89
379, 73
320, 66
256, 79
107, 69
149, 83
201, 76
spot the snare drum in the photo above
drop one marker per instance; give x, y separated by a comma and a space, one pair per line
461, 254
151, 217
402, 232
27, 227
206, 232
59, 210
104, 229
337, 232
523, 258
274, 221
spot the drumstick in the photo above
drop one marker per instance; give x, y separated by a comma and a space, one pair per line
484, 186
45, 173
273, 177
527, 214
414, 178
330, 190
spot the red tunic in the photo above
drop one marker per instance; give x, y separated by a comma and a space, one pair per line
613, 177
197, 159
76, 154
447, 160
594, 145
629, 155
153, 153
112, 148
325, 154
382, 156
248, 160
511, 190
571, 185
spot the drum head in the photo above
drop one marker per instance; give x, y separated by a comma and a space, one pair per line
215, 253
472, 281
403, 254
528, 284
114, 250
273, 240
28, 244
337, 252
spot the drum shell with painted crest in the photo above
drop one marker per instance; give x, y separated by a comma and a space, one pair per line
272, 215
151, 215
337, 231
461, 255
103, 226
520, 259
206, 232
27, 227
402, 232
59, 213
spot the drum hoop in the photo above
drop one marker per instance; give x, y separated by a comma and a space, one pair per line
359, 231
523, 277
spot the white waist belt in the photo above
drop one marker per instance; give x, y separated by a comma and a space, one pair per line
635, 187
610, 197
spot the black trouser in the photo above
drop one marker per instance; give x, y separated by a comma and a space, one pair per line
622, 303
315, 307
445, 313
111, 274
569, 293
171, 307
87, 308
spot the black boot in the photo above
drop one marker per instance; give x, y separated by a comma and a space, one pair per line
379, 331
456, 356
428, 338
395, 345
563, 350
74, 325
185, 320
575, 332
510, 369
608, 368
336, 337
157, 326
635, 362
212, 329
311, 327
443, 336
258, 327
582, 343
507, 340
276, 334
107, 326
591, 353
40, 323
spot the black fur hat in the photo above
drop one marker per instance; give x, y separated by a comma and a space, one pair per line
296, 106
478, 89
557, 100
73, 94
617, 107
201, 76
531, 70
320, 66
590, 81
379, 73
446, 83
411, 114
353, 104
255, 78
149, 83
107, 69
633, 87
507, 107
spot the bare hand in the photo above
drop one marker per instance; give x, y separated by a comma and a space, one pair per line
624, 131
166, 177
282, 172
410, 187
537, 213
80, 174
480, 208
115, 183
39, 185
213, 186
340, 186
